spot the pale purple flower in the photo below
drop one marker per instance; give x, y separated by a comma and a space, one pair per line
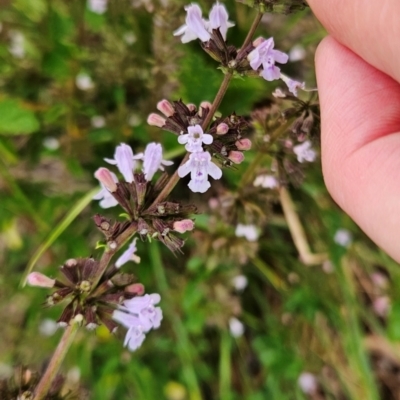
293, 85
381, 306
107, 199
138, 315
152, 160
123, 159
127, 255
343, 237
250, 232
17, 41
305, 152
195, 27
240, 282
264, 55
194, 139
307, 383
219, 19
200, 166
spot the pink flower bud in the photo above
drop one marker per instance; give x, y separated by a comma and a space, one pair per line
236, 156
258, 41
192, 107
206, 104
135, 288
183, 225
166, 108
40, 280
243, 144
156, 120
222, 128
104, 176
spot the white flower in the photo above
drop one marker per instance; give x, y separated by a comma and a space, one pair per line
240, 282
17, 48
152, 160
250, 232
264, 55
124, 160
107, 199
307, 383
195, 27
98, 121
200, 166
343, 237
84, 82
236, 328
297, 53
97, 6
48, 327
128, 255
266, 181
194, 139
138, 315
305, 152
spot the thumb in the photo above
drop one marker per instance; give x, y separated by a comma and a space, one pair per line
360, 111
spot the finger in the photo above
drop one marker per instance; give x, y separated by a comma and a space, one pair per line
360, 110
370, 28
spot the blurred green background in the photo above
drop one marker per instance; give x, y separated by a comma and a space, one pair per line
74, 83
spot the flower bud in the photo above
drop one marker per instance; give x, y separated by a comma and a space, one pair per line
104, 176
183, 225
236, 156
243, 144
192, 107
156, 120
40, 280
222, 128
258, 41
166, 108
135, 288
206, 104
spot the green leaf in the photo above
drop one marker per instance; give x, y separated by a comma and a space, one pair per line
16, 119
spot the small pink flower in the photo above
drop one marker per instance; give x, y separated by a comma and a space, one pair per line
106, 178
156, 120
236, 156
40, 280
243, 144
183, 226
166, 108
222, 128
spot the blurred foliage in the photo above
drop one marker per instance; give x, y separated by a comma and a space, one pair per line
74, 84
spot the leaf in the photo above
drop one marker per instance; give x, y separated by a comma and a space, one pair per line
15, 119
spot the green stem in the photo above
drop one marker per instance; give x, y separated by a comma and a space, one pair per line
58, 357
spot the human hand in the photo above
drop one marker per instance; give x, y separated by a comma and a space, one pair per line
358, 75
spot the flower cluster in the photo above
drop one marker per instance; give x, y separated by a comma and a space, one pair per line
198, 28
116, 297
137, 195
224, 140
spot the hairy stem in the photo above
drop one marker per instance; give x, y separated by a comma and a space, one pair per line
250, 34
58, 357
